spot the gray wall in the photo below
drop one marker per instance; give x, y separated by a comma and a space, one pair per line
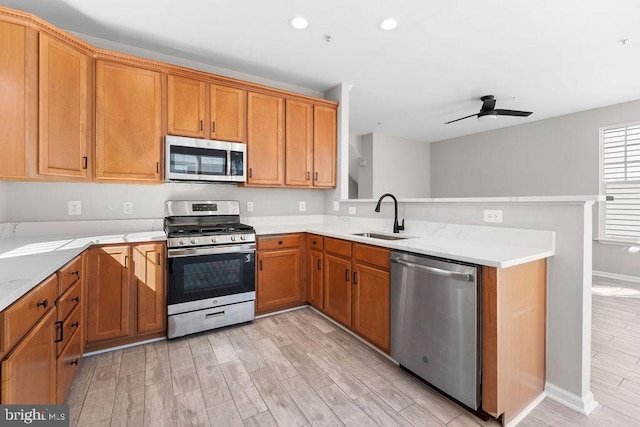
558, 156
3, 202
33, 201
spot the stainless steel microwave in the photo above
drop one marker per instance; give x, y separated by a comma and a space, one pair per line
202, 160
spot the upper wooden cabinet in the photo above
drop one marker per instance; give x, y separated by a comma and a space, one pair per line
64, 110
202, 110
324, 146
128, 123
265, 139
18, 99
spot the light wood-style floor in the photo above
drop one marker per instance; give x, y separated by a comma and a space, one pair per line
298, 369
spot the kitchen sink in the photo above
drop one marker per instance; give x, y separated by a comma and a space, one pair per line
380, 236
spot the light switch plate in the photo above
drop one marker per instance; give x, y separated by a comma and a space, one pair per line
74, 207
249, 206
352, 210
490, 215
302, 206
127, 208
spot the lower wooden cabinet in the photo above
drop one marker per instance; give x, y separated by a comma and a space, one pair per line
371, 304
337, 288
315, 287
67, 366
126, 293
278, 275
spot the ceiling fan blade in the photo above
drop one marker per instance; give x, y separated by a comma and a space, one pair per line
461, 118
501, 112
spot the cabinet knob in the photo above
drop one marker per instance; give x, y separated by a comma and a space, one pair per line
279, 242
74, 362
75, 324
42, 304
75, 299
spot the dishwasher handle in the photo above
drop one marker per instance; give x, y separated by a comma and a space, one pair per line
433, 270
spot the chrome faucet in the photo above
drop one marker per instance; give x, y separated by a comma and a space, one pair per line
396, 227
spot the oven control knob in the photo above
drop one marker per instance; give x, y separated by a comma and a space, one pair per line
182, 242
243, 237
214, 240
233, 238
194, 241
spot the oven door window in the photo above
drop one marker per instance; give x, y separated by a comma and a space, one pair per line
197, 161
210, 276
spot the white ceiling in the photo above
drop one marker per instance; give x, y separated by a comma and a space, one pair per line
551, 57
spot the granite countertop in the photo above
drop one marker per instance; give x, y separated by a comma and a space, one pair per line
27, 258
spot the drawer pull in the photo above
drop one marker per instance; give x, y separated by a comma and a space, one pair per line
280, 242
346, 275
212, 315
60, 328
75, 299
74, 362
76, 273
75, 324
42, 304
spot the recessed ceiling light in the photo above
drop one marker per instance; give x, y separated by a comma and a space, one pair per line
388, 24
298, 22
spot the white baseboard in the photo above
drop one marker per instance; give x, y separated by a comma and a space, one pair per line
585, 404
621, 277
526, 411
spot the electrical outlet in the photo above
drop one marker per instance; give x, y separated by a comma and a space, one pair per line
302, 206
74, 207
492, 216
249, 206
127, 208
352, 210
336, 206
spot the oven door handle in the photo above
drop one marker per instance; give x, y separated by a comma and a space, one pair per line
211, 250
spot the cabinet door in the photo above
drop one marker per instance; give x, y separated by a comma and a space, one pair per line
18, 98
185, 106
29, 371
148, 260
324, 146
265, 139
228, 112
128, 123
298, 143
337, 289
108, 290
315, 291
278, 278
64, 107
371, 305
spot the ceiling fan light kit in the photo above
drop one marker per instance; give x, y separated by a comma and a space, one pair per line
488, 111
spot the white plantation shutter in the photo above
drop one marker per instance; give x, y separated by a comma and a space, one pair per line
621, 179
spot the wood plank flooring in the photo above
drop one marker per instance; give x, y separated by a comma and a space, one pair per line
298, 369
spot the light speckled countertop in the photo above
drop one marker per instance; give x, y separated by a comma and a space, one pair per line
30, 255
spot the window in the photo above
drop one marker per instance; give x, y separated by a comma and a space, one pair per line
620, 178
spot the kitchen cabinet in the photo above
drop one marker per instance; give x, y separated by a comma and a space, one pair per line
315, 286
199, 109
18, 99
265, 140
337, 288
42, 343
298, 143
324, 146
128, 123
65, 112
127, 294
278, 278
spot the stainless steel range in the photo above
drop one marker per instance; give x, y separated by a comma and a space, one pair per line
211, 266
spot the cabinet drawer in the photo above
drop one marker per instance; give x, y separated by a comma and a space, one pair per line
315, 242
338, 247
69, 274
372, 255
67, 366
69, 300
278, 242
24, 313
70, 326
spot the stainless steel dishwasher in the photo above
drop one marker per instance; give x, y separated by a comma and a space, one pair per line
435, 323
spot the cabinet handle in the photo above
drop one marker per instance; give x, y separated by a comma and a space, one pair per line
74, 362
213, 127
75, 324
126, 261
76, 299
85, 162
42, 304
201, 125
308, 175
250, 172
279, 242
157, 167
260, 265
319, 265
158, 256
355, 277
346, 275
60, 327
316, 176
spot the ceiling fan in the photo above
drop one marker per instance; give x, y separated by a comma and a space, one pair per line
489, 111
